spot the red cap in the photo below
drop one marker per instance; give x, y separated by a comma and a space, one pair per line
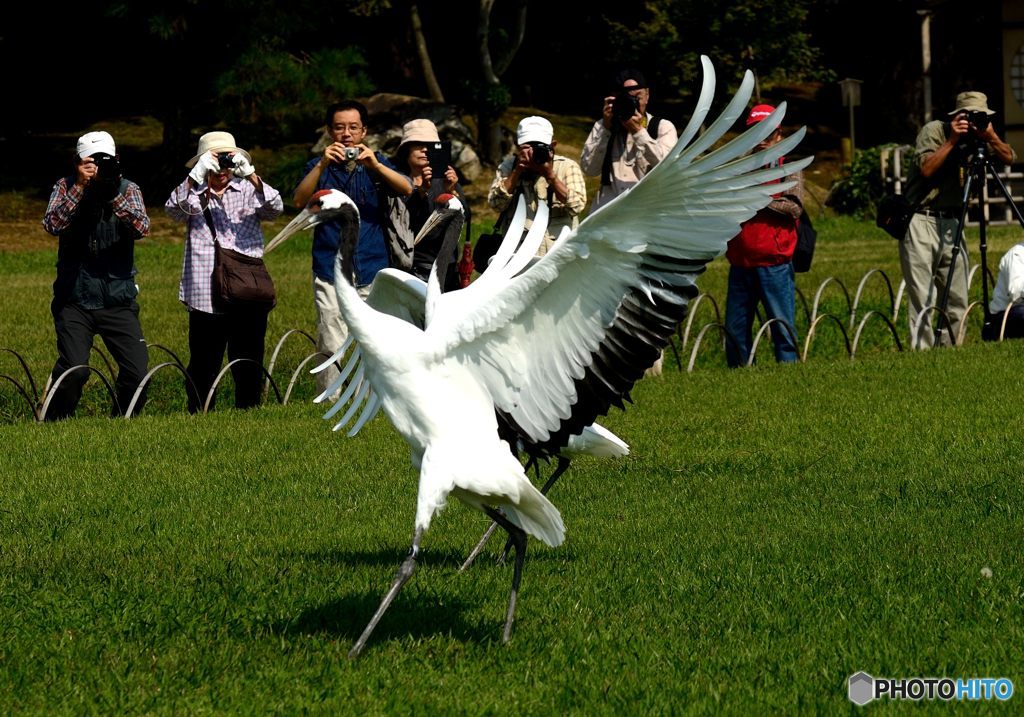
758, 113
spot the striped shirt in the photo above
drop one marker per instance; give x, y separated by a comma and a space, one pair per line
66, 195
236, 214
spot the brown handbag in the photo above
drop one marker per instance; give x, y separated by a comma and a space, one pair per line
239, 281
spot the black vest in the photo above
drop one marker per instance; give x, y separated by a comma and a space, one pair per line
96, 258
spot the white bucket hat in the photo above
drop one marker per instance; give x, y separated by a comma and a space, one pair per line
419, 130
92, 143
217, 142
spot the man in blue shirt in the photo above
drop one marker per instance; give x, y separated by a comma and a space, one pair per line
365, 179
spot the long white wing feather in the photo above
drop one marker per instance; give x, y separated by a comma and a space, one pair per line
393, 292
555, 354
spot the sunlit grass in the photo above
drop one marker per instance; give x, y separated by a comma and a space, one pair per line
773, 531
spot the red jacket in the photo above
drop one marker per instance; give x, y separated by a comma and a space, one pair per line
769, 238
766, 240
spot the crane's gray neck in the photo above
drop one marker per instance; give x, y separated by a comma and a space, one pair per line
348, 219
452, 233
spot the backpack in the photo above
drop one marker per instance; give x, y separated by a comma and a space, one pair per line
806, 238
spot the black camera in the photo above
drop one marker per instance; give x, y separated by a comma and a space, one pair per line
625, 106
439, 155
541, 152
225, 161
108, 169
107, 182
977, 119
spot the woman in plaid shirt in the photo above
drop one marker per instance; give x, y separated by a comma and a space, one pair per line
227, 202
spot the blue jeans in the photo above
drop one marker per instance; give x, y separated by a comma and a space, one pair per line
775, 288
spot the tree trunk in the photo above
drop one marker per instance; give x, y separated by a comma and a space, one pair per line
426, 66
489, 131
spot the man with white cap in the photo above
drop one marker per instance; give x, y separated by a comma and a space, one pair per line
98, 216
935, 188
535, 170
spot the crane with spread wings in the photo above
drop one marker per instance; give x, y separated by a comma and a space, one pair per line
542, 347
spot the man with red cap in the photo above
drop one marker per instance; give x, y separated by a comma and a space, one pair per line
761, 267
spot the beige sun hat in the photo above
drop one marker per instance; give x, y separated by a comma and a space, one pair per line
217, 142
419, 130
972, 102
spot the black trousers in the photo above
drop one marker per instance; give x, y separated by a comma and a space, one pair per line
1014, 325
122, 334
243, 334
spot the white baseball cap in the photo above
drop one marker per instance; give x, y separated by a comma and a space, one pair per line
92, 143
534, 129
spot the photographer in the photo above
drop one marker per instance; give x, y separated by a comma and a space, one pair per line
1008, 294
222, 200
627, 142
98, 216
416, 155
761, 266
935, 188
538, 173
365, 176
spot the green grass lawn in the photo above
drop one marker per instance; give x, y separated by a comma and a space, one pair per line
774, 531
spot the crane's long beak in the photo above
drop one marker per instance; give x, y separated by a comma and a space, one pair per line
306, 219
435, 218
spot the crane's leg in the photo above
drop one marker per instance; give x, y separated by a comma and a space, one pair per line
518, 538
479, 546
404, 573
563, 465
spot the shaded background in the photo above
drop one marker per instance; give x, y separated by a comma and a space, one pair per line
267, 69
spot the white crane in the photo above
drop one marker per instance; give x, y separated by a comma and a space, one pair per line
446, 222
551, 346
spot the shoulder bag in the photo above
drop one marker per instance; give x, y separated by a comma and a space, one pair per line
487, 244
239, 281
894, 215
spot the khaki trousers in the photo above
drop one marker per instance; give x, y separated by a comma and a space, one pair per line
925, 256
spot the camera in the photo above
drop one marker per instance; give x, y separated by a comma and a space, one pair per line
625, 106
224, 160
108, 169
977, 119
541, 152
439, 156
971, 143
350, 154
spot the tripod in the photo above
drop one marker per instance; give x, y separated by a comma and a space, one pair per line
977, 166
